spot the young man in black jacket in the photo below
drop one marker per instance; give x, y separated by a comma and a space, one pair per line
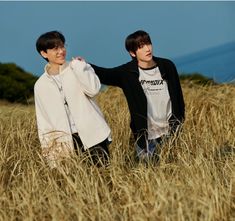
152, 88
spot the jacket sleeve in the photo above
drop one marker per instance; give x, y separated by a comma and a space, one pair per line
109, 76
177, 99
85, 74
179, 93
42, 120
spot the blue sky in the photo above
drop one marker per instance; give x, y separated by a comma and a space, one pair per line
97, 30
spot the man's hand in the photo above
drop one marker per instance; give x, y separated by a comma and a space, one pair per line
78, 58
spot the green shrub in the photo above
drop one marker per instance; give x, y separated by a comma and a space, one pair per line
16, 85
197, 78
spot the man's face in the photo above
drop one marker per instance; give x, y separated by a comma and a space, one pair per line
143, 53
55, 55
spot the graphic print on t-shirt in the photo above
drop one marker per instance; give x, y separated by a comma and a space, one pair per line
151, 80
151, 85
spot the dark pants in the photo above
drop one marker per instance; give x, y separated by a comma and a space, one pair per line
98, 154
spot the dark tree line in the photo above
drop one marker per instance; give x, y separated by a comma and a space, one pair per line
16, 85
197, 78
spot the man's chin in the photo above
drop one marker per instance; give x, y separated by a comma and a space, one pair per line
149, 58
62, 62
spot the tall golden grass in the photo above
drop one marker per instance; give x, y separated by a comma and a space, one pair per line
194, 180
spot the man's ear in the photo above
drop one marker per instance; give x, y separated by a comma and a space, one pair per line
44, 54
132, 54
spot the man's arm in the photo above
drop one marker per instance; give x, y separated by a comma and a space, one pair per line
179, 93
177, 99
42, 119
88, 79
109, 76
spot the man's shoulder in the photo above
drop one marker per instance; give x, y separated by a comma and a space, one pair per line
40, 81
130, 65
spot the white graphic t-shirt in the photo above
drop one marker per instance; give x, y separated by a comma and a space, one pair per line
159, 103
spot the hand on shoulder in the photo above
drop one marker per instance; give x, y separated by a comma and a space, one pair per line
77, 63
79, 58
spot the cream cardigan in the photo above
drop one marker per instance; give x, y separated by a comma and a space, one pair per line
80, 84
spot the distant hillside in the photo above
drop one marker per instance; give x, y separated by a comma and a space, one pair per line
217, 63
16, 85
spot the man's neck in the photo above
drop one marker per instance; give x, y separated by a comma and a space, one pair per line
144, 64
53, 69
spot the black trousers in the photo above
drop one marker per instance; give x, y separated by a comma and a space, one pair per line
98, 154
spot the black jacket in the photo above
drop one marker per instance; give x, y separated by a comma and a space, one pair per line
126, 77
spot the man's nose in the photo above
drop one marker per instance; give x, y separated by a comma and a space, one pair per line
147, 47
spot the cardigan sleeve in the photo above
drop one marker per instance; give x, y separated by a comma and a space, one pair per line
85, 74
43, 122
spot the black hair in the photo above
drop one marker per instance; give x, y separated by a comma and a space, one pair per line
49, 40
136, 40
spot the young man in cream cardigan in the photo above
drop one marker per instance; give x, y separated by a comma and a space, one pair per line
68, 118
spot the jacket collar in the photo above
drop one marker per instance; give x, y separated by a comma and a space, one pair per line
133, 66
61, 69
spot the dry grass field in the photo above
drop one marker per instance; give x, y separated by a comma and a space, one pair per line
194, 180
